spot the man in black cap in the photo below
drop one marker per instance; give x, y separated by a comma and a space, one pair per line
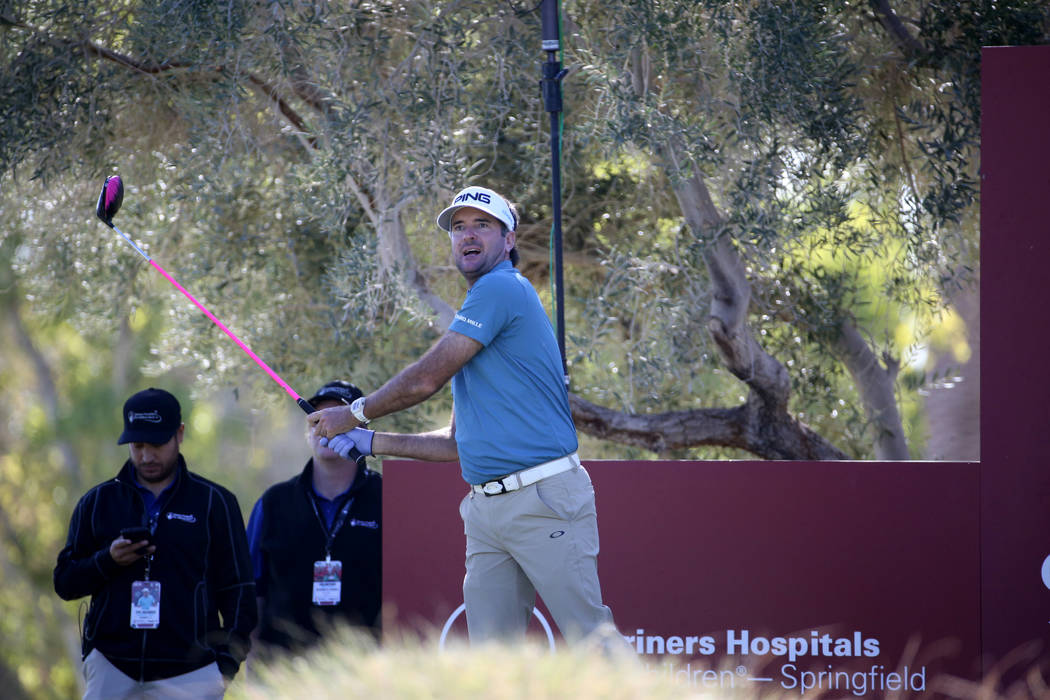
163, 554
315, 543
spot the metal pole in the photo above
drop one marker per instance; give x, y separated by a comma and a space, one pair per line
553, 73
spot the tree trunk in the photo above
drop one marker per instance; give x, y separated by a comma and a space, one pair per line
13, 689
396, 258
875, 382
47, 392
954, 405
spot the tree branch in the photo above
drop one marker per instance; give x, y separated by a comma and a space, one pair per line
748, 427
282, 105
149, 68
909, 45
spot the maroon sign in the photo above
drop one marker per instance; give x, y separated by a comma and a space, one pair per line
840, 576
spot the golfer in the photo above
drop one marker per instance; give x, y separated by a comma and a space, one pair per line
529, 516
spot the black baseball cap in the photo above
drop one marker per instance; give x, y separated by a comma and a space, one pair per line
152, 415
336, 391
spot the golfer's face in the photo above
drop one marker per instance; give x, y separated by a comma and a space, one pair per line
478, 244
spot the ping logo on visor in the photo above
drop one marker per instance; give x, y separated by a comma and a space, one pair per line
472, 196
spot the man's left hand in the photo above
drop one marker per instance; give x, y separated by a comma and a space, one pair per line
358, 438
329, 422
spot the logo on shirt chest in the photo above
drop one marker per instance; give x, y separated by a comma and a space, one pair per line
184, 517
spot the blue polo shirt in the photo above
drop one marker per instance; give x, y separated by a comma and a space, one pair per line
510, 401
153, 503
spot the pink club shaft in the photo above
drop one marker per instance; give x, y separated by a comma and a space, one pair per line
109, 202
303, 403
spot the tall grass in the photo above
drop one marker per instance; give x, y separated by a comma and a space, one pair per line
350, 666
353, 666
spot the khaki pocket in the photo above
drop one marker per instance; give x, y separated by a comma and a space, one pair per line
568, 495
463, 506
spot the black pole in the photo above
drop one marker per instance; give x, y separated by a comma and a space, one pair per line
551, 83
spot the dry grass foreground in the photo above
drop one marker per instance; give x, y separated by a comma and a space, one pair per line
350, 666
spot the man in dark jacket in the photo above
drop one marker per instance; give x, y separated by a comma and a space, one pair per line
172, 607
315, 542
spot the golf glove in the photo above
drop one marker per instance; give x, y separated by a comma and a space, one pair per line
342, 443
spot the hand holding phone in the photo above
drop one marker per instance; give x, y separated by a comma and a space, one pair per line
123, 553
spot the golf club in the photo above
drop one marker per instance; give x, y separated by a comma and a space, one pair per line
109, 202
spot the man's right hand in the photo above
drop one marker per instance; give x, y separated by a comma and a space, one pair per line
125, 552
329, 422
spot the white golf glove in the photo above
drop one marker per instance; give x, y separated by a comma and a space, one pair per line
342, 443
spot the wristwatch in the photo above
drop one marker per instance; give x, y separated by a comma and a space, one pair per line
358, 409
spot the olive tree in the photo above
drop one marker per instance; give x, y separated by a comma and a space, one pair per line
755, 193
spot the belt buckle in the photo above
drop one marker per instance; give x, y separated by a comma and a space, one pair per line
494, 488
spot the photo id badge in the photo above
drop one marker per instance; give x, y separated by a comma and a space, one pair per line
328, 582
145, 605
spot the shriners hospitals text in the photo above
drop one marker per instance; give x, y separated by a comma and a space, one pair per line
743, 643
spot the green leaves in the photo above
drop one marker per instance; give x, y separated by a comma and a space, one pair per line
285, 161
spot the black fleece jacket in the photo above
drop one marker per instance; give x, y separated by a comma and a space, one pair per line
201, 562
292, 537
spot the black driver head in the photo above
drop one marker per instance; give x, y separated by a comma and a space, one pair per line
110, 199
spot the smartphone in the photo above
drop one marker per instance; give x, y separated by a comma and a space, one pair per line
135, 534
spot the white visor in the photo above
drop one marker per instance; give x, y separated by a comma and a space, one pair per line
480, 198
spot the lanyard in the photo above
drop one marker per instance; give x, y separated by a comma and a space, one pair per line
154, 516
336, 526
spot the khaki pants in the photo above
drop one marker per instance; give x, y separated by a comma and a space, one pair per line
107, 682
539, 539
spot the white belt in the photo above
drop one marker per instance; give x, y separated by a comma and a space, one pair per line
521, 479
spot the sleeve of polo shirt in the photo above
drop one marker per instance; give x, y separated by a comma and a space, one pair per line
489, 306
